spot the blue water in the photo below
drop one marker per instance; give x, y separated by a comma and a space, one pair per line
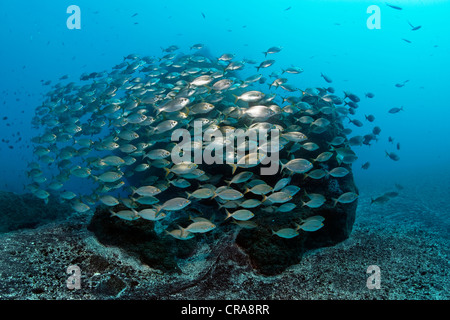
319, 36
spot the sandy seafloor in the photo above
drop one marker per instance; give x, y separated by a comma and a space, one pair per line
408, 238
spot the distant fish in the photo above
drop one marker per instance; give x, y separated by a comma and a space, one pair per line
326, 78
265, 64
380, 199
414, 28
370, 95
353, 97
406, 40
345, 198
204, 17
393, 7
391, 194
272, 50
134, 15
286, 233
356, 122
399, 85
392, 156
365, 166
395, 110
287, 9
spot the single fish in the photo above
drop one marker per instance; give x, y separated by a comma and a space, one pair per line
347, 197
393, 7
272, 50
241, 215
392, 156
395, 110
286, 233
413, 28
297, 166
326, 78
174, 204
109, 200
277, 197
200, 227
146, 191
265, 64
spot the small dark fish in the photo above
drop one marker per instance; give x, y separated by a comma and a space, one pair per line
204, 17
365, 166
288, 8
370, 118
326, 78
390, 139
393, 7
380, 199
330, 90
368, 138
399, 85
414, 28
370, 95
398, 145
395, 110
376, 130
352, 104
392, 156
356, 122
265, 64
134, 15
352, 96
406, 40
5, 118
391, 194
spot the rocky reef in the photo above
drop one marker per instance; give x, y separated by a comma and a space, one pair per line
268, 254
24, 211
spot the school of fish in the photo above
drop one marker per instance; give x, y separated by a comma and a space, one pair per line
115, 127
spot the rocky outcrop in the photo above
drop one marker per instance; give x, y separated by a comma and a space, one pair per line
25, 211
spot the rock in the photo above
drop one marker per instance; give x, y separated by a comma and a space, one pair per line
112, 286
25, 211
139, 238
